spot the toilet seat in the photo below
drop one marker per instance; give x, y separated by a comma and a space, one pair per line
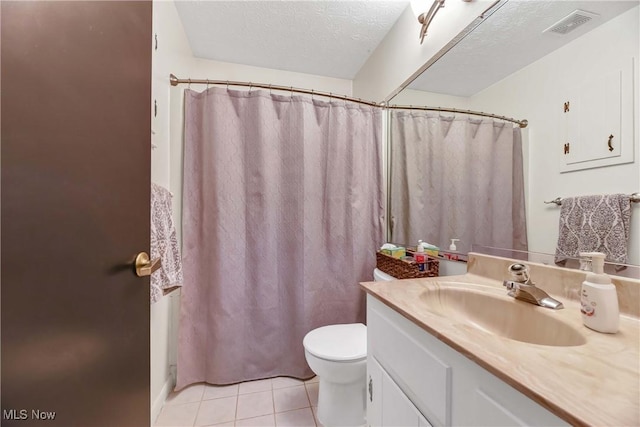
338, 343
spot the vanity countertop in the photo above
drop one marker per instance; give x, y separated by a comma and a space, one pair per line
597, 383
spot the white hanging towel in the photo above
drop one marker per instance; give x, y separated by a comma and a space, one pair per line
164, 244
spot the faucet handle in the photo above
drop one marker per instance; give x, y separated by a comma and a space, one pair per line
509, 284
519, 272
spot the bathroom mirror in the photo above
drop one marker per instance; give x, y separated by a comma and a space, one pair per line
621, 270
521, 62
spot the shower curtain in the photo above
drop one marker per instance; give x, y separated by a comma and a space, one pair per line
282, 215
456, 178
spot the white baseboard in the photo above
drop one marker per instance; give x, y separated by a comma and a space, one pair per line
156, 407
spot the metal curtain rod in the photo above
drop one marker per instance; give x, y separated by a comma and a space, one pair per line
176, 81
633, 198
521, 123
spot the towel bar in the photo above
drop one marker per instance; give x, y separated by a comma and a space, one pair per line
633, 198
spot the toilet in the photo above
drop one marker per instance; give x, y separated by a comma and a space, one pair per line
337, 354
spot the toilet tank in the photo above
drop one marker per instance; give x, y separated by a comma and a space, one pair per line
381, 276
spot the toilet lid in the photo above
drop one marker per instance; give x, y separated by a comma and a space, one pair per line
339, 343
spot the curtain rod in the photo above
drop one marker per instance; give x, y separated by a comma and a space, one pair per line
521, 123
176, 81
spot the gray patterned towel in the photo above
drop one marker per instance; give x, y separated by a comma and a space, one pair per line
164, 244
594, 224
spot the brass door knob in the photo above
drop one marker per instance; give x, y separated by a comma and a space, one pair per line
145, 266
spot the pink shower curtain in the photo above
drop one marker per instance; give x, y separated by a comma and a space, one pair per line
456, 178
282, 214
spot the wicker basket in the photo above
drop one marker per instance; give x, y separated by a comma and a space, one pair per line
401, 269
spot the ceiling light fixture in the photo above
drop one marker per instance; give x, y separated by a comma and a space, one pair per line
426, 18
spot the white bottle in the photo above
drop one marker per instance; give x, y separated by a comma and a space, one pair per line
452, 246
599, 298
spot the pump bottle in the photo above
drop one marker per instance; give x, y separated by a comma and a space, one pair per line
598, 297
420, 256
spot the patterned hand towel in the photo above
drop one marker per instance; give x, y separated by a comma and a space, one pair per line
594, 224
164, 244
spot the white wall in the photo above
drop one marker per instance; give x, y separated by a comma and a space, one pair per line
400, 53
534, 93
173, 55
430, 99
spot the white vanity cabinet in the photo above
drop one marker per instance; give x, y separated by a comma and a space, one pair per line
414, 379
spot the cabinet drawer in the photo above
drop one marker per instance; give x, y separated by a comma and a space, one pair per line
423, 377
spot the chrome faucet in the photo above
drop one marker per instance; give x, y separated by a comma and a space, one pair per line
521, 287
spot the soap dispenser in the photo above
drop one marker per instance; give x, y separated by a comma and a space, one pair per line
598, 297
452, 246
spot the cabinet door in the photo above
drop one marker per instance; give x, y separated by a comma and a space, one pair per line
374, 393
407, 353
599, 120
387, 405
397, 409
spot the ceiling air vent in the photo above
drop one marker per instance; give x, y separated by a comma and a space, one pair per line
571, 22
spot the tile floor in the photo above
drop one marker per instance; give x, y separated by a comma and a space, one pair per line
273, 402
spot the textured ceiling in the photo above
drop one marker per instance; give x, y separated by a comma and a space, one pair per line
509, 40
327, 38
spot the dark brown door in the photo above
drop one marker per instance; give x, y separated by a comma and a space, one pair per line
76, 91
